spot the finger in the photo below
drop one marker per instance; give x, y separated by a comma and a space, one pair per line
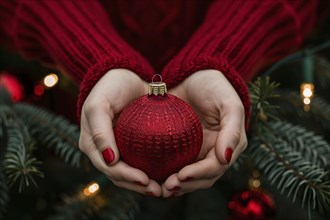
123, 172
186, 187
87, 146
242, 145
174, 187
125, 176
171, 185
118, 172
230, 133
207, 168
101, 130
201, 174
152, 189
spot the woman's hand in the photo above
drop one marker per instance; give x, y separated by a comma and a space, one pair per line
221, 113
113, 92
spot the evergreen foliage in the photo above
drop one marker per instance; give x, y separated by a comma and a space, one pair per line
52, 131
123, 205
294, 164
294, 156
293, 159
4, 194
262, 92
112, 204
21, 127
19, 164
290, 106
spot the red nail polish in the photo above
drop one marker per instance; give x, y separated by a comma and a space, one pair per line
150, 194
228, 154
108, 155
189, 178
176, 188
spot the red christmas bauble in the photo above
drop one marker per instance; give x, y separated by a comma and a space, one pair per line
158, 134
251, 205
12, 85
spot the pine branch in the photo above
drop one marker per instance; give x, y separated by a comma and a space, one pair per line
287, 167
19, 164
124, 205
240, 161
112, 203
5, 98
52, 131
261, 91
75, 207
312, 147
291, 106
4, 193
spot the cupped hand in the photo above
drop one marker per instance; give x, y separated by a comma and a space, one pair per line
113, 92
221, 114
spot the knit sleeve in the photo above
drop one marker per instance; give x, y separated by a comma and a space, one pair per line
77, 36
239, 36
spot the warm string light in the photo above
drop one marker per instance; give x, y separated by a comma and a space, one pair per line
254, 181
91, 193
48, 81
307, 93
91, 189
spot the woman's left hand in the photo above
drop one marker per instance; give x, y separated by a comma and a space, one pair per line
221, 114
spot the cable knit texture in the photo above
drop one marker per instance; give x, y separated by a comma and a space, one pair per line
76, 36
235, 37
238, 36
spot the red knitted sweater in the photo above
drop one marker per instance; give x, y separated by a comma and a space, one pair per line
178, 37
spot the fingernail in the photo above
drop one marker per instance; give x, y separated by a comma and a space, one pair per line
189, 178
150, 194
139, 183
176, 188
228, 154
108, 155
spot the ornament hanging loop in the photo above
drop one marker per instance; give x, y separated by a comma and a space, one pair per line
157, 88
161, 79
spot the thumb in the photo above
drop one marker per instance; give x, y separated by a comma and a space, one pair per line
100, 123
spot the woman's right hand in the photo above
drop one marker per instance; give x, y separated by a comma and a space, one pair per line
112, 93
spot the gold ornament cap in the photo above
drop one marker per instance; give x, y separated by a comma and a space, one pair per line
157, 88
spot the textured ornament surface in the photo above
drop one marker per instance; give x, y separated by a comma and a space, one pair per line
158, 135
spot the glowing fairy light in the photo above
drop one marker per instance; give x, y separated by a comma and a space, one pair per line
307, 101
91, 189
50, 80
307, 92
